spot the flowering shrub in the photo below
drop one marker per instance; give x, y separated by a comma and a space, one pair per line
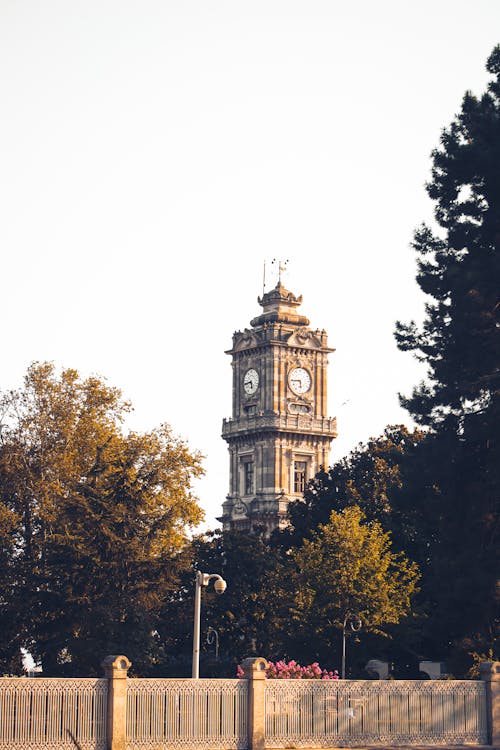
293, 671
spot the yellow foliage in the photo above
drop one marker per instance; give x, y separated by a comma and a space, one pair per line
347, 567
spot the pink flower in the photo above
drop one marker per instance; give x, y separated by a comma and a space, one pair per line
293, 671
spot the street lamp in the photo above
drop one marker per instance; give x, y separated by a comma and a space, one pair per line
354, 622
213, 636
202, 579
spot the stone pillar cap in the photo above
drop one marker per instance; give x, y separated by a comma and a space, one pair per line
490, 671
255, 667
115, 663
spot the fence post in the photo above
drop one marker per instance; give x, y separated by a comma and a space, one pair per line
115, 669
490, 673
255, 673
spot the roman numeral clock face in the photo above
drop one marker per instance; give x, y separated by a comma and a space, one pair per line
251, 382
299, 380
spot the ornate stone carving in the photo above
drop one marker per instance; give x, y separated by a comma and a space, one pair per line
239, 508
304, 337
245, 340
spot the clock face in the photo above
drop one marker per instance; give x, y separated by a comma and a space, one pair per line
251, 381
300, 380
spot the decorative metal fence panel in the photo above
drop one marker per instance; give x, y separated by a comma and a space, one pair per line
187, 714
348, 713
53, 713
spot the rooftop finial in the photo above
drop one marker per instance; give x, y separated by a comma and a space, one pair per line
282, 264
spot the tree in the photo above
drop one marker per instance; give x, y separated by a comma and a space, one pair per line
396, 480
459, 270
346, 568
97, 518
12, 634
379, 477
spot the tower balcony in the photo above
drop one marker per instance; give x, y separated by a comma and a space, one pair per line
294, 423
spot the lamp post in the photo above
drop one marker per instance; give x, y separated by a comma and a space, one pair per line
212, 635
202, 579
354, 622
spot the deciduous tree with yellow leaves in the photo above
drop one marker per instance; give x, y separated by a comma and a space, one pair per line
94, 519
347, 568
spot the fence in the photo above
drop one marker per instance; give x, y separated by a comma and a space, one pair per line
40, 713
118, 713
187, 714
325, 714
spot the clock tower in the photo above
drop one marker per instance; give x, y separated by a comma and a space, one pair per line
279, 435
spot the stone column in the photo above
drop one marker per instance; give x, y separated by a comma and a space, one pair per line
255, 673
115, 669
490, 673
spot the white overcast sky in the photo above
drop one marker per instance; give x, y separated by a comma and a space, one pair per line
153, 153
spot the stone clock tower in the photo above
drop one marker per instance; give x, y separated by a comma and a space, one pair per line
279, 435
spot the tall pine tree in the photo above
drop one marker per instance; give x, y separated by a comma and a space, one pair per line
459, 270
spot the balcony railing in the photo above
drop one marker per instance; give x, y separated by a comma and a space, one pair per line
324, 426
